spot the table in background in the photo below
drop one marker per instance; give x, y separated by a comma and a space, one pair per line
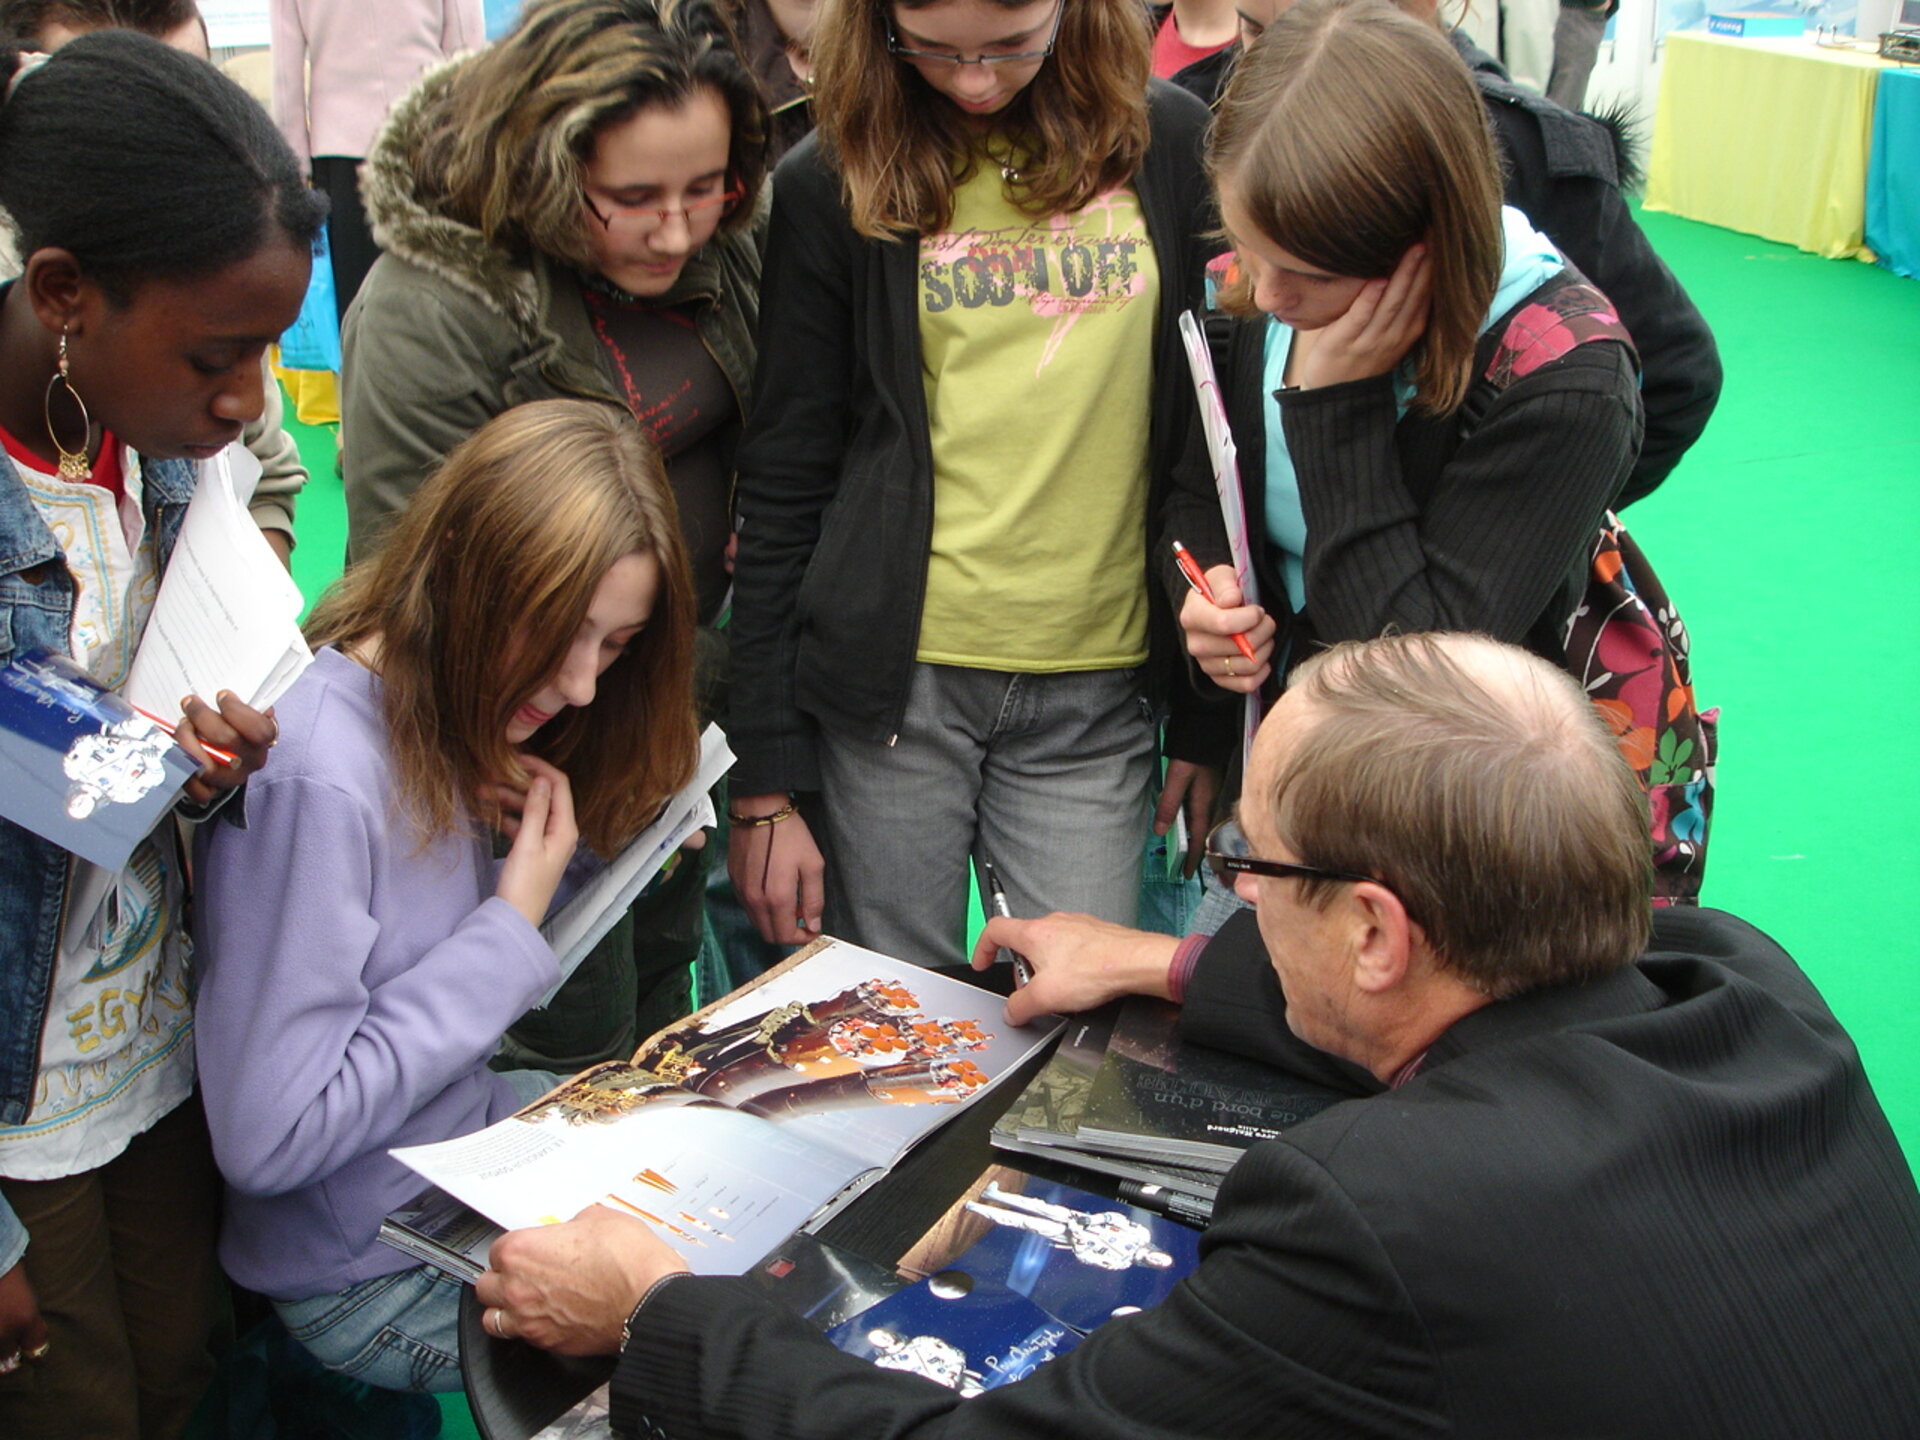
1766, 136
1893, 174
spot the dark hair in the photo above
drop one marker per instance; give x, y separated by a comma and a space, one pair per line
22, 21
144, 163
509, 140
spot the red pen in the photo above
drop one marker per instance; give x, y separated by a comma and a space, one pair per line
1190, 568
225, 757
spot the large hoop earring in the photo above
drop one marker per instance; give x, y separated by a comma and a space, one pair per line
74, 464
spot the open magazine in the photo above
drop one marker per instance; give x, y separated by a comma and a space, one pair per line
728, 1131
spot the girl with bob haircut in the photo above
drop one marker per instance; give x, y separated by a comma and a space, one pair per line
524, 637
1434, 412
574, 211
948, 643
165, 235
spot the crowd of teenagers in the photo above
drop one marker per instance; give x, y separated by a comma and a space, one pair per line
876, 457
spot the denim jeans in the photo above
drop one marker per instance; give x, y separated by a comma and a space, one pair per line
1046, 775
398, 1331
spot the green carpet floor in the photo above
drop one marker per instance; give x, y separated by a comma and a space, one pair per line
1781, 539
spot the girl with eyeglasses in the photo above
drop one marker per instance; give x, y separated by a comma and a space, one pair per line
948, 634
572, 212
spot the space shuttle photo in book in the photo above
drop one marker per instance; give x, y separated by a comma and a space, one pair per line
731, 1129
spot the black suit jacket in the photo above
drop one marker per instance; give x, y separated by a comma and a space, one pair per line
1664, 1205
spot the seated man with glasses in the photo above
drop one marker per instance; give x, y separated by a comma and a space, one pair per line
1604, 1172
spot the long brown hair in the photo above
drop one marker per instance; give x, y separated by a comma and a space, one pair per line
511, 137
1351, 132
481, 588
1080, 124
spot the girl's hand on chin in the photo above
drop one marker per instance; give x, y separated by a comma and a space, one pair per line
544, 838
1379, 330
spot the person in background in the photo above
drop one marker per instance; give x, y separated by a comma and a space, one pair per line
45, 25
1577, 33
1600, 1172
517, 658
776, 39
1193, 42
1569, 175
971, 393
166, 235
338, 66
575, 211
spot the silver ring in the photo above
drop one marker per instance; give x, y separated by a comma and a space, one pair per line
496, 1326
10, 1363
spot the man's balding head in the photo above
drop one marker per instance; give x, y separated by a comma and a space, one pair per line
1476, 782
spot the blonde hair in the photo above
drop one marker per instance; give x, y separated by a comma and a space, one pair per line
902, 148
1351, 132
509, 142
479, 591
1501, 814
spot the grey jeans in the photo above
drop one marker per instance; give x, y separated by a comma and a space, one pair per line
1046, 775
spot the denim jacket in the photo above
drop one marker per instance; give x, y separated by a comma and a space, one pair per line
36, 608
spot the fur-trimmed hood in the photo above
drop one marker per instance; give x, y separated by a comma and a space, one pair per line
406, 226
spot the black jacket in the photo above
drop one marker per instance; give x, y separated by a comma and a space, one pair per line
836, 470
1663, 1204
1481, 520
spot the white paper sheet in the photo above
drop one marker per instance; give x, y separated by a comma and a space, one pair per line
227, 616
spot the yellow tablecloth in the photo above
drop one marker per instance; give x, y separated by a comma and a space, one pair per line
1766, 136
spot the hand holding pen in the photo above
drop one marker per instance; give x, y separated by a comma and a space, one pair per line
1229, 641
1022, 970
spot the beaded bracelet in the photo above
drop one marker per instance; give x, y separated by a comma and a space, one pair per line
756, 822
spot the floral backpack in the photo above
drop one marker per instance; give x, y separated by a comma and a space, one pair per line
1625, 642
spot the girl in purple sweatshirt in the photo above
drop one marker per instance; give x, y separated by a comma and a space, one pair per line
519, 658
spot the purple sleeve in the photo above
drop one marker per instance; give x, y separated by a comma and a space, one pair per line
305, 1063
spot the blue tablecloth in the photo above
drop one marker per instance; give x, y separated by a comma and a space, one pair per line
1893, 174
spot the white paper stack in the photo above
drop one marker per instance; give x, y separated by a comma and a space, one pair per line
228, 613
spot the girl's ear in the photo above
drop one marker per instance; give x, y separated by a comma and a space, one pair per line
59, 291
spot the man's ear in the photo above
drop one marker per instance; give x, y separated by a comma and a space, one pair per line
1383, 938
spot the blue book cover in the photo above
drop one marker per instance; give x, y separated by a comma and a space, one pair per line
1082, 1258
960, 1331
80, 766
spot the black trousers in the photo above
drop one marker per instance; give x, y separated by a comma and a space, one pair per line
338, 177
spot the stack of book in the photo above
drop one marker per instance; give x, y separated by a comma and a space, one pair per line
1125, 1096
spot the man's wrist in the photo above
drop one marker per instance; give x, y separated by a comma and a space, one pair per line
633, 1316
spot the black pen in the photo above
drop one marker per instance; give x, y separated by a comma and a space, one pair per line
1022, 968
1174, 1204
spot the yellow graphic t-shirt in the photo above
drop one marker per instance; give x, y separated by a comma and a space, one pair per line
1036, 339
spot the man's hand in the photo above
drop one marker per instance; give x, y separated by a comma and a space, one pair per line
1210, 629
235, 727
570, 1288
777, 871
1078, 962
23, 1333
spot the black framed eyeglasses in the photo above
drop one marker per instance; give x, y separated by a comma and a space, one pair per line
989, 62
1230, 855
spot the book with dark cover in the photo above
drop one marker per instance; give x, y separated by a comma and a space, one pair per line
1170, 1099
